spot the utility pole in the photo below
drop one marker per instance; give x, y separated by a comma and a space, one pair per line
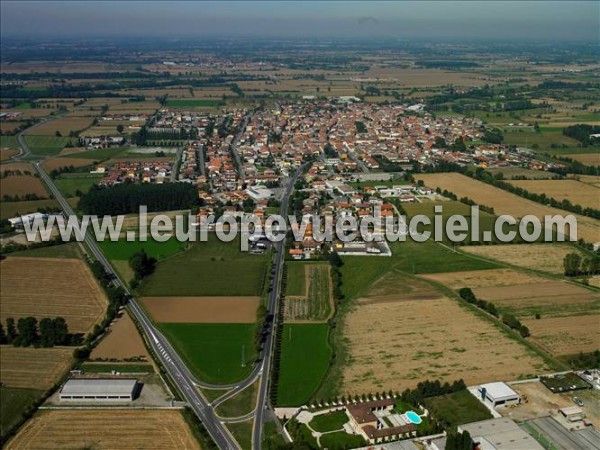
243, 356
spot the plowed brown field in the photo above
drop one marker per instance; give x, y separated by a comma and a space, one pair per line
202, 309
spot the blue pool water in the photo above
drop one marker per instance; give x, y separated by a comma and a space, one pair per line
413, 417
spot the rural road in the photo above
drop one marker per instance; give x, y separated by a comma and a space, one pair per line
169, 359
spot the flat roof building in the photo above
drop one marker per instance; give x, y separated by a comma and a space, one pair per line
105, 390
499, 434
498, 394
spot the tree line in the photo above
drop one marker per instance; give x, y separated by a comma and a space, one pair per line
28, 332
126, 198
576, 265
581, 132
508, 319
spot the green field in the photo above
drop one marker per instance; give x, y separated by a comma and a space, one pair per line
13, 402
213, 351
70, 183
358, 273
341, 440
240, 404
123, 250
449, 208
457, 408
100, 154
193, 103
329, 422
9, 142
210, 268
69, 250
296, 280
305, 358
46, 145
242, 432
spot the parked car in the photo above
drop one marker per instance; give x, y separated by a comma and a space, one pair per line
578, 401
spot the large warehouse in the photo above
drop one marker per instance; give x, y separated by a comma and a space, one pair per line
100, 390
498, 394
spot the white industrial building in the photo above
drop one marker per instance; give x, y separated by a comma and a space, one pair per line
100, 390
498, 394
499, 434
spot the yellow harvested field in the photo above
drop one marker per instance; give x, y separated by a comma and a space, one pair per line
105, 429
202, 309
542, 257
577, 193
504, 202
63, 125
20, 181
122, 342
7, 153
41, 287
567, 335
9, 127
482, 278
395, 345
34, 368
589, 159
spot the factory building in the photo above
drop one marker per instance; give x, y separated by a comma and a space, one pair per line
100, 390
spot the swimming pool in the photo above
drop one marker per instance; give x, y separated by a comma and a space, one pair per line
413, 417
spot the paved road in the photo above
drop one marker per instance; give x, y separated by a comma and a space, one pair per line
265, 364
170, 360
234, 149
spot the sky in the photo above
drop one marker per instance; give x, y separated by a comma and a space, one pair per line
462, 20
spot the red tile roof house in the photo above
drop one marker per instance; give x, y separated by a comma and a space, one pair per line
365, 422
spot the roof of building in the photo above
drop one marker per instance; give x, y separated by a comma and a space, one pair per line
363, 412
571, 410
501, 433
88, 386
499, 389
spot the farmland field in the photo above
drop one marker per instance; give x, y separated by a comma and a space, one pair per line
34, 368
105, 429
316, 303
589, 159
396, 338
41, 288
12, 209
46, 145
305, 358
574, 191
202, 309
213, 351
63, 125
210, 268
504, 202
190, 103
69, 184
542, 257
510, 172
20, 185
68, 250
122, 342
568, 335
65, 161
457, 408
13, 403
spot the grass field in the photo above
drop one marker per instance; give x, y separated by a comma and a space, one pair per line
41, 288
305, 358
316, 303
110, 367
341, 440
33, 368
69, 250
242, 403
242, 432
13, 402
9, 142
457, 408
214, 351
190, 103
100, 154
296, 278
212, 268
329, 422
46, 145
69, 184
105, 429
123, 250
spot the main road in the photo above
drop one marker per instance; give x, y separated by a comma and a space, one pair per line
164, 352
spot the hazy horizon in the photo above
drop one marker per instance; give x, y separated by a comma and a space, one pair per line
483, 20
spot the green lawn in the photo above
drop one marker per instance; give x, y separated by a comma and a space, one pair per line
13, 402
457, 408
9, 142
305, 358
329, 422
341, 440
449, 208
192, 103
47, 145
240, 404
123, 250
242, 432
358, 273
69, 184
296, 279
210, 268
213, 351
